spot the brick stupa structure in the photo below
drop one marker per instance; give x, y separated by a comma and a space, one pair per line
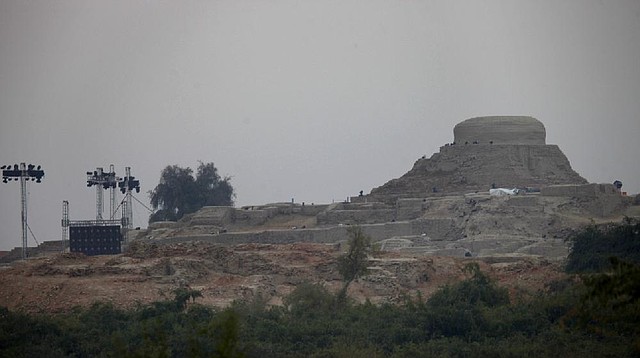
500, 151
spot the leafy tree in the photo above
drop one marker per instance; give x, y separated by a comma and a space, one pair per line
478, 289
213, 189
592, 247
182, 296
309, 300
223, 331
610, 304
619, 287
179, 193
460, 309
354, 263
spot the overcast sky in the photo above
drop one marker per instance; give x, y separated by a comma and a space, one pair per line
312, 100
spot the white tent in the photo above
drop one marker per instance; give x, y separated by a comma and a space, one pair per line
503, 192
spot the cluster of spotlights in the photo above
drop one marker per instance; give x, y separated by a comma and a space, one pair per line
110, 180
98, 177
129, 182
15, 171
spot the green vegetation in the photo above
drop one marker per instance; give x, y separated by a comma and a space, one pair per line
592, 248
353, 264
472, 318
608, 260
179, 193
594, 315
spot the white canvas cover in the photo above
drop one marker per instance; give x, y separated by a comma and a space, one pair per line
503, 192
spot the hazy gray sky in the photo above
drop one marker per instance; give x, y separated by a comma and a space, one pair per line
312, 100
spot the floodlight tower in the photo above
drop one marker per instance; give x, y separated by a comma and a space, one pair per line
102, 181
65, 224
24, 172
99, 206
127, 184
112, 188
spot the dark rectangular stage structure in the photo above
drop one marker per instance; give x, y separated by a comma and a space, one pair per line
95, 239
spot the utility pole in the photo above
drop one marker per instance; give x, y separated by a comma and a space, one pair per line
23, 173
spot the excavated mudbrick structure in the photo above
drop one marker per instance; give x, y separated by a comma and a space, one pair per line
442, 207
499, 151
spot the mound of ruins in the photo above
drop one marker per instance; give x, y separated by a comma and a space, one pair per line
498, 191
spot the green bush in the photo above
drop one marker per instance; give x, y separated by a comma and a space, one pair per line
592, 247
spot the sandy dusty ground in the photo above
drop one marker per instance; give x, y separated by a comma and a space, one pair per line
149, 272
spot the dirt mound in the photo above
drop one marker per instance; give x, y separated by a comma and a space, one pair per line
149, 272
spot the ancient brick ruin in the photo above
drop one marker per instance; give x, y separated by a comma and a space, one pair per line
442, 206
486, 152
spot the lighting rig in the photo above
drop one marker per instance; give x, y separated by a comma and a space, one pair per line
127, 184
23, 173
102, 236
105, 181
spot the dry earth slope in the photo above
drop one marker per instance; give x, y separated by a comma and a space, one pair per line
149, 272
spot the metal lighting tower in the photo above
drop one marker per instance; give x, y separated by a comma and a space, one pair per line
65, 224
127, 184
112, 202
24, 172
102, 181
99, 205
125, 215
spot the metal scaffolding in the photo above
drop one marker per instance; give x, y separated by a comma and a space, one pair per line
112, 192
23, 200
102, 181
99, 204
23, 173
65, 224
